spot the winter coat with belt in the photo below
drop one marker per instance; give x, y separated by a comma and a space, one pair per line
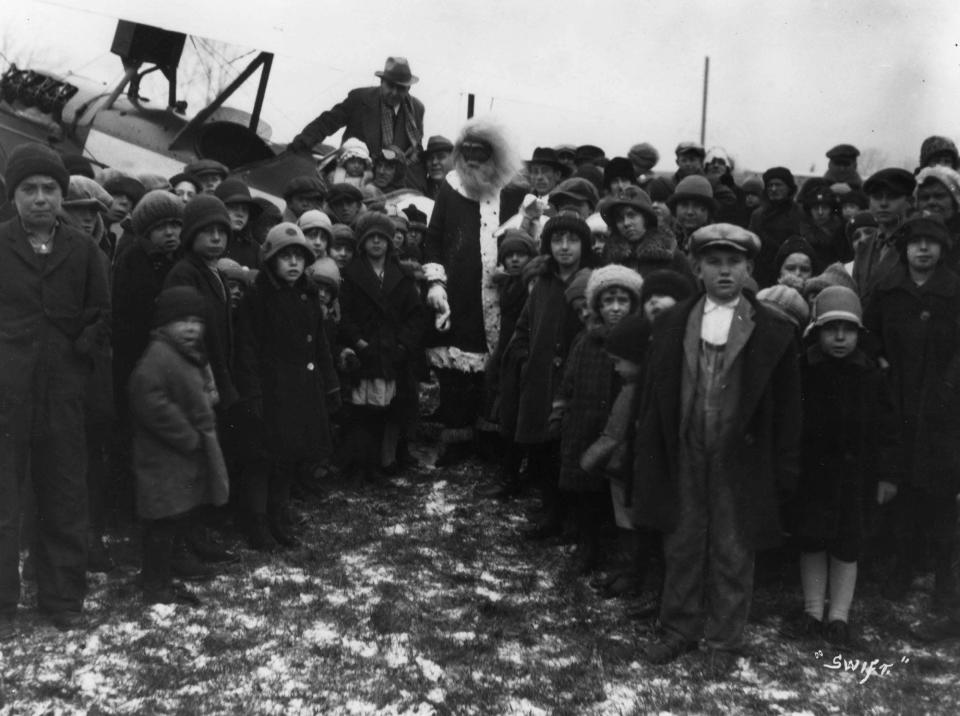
760, 454
918, 328
284, 367
218, 333
176, 456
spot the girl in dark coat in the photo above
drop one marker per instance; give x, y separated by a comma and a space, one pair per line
287, 382
848, 464
584, 399
915, 313
382, 321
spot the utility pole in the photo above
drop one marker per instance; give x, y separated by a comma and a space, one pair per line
470, 101
703, 114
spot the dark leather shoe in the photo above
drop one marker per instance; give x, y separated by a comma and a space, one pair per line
721, 664
172, 594
66, 621
805, 627
186, 565
209, 550
668, 649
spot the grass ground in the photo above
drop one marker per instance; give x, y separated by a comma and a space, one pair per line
417, 597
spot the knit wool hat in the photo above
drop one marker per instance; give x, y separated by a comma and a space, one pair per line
354, 148
324, 272
932, 146
566, 223
515, 241
666, 282
177, 303
285, 234
752, 185
789, 301
316, 219
833, 275
372, 223
629, 338
694, 187
781, 173
156, 207
200, 212
607, 277
837, 303
950, 178
577, 288
33, 159
84, 191
343, 234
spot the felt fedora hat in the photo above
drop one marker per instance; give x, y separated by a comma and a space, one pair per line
397, 70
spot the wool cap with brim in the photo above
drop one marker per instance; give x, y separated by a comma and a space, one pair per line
644, 152
860, 220
325, 272
304, 186
202, 211
437, 143
206, 166
374, 223
950, 179
35, 159
316, 219
690, 148
575, 188
562, 223
515, 241
892, 179
613, 276
123, 185
155, 208
632, 196
666, 282
153, 181
344, 192
843, 151
752, 185
178, 303
85, 192
927, 226
932, 146
833, 275
234, 191
724, 236
836, 303
233, 271
694, 187
284, 235
618, 168
629, 338
577, 288
789, 301
341, 234
184, 177
781, 173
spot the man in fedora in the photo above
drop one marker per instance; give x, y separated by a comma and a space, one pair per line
542, 173
378, 116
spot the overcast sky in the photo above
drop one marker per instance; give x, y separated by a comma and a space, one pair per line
787, 79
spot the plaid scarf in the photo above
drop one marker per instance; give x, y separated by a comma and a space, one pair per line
387, 118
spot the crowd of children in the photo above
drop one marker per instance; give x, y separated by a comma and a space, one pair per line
699, 386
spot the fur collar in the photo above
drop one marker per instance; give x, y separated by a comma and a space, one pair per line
655, 245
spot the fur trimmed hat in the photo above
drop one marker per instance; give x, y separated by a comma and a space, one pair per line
566, 223
156, 207
950, 178
202, 211
610, 276
629, 338
27, 160
515, 241
285, 234
374, 223
177, 303
932, 146
666, 282
789, 301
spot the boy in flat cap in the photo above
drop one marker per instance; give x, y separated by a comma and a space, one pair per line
717, 447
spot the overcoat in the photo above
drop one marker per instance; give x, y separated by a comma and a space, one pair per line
918, 328
760, 455
284, 362
774, 224
176, 456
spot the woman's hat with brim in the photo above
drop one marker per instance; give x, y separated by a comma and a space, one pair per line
397, 71
694, 187
635, 197
234, 191
836, 303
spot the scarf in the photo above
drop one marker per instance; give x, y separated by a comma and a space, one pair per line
414, 135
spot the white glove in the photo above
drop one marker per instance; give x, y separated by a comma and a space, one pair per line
437, 300
532, 207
